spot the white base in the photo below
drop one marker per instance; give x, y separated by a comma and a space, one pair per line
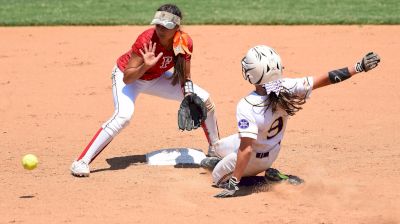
174, 156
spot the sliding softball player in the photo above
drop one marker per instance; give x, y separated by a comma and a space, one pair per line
262, 116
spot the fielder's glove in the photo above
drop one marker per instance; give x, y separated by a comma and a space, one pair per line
230, 189
368, 62
191, 113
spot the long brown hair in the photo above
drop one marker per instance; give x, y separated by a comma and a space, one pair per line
288, 101
179, 70
179, 60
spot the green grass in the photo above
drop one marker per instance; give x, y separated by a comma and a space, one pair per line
140, 12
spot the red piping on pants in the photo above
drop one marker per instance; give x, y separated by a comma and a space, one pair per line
90, 144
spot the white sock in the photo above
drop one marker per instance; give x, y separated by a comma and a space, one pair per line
98, 143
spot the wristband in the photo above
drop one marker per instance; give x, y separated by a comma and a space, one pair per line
358, 67
339, 75
233, 180
188, 87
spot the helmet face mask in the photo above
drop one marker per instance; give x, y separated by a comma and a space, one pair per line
261, 65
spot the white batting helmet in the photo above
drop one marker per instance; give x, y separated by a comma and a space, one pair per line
261, 65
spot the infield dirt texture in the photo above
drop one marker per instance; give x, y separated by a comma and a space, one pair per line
56, 92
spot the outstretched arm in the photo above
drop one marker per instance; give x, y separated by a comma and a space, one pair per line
368, 62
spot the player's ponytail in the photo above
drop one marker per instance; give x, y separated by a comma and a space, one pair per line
179, 69
288, 101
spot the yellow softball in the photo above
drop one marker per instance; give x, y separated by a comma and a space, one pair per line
30, 161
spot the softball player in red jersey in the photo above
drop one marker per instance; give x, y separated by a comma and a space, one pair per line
145, 69
263, 114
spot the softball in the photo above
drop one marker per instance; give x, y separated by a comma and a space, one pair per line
30, 161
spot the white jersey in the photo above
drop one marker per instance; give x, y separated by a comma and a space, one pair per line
256, 120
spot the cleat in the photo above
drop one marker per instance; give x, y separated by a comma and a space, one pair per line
209, 162
80, 169
273, 175
295, 180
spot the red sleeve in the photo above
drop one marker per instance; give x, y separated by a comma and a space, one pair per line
142, 38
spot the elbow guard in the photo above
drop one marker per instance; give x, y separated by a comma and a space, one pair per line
339, 75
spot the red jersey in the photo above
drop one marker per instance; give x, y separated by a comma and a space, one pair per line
165, 63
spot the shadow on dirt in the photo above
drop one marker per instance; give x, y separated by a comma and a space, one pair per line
247, 186
123, 162
253, 184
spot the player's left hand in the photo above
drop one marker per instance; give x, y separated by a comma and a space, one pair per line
192, 112
368, 62
230, 189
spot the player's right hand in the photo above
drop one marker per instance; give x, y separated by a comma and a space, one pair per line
148, 54
230, 189
368, 62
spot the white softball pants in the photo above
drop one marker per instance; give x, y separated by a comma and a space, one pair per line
227, 148
125, 96
124, 102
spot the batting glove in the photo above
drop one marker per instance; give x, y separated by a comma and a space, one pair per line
230, 189
368, 62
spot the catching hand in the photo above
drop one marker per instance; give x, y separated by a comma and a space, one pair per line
230, 189
368, 62
192, 112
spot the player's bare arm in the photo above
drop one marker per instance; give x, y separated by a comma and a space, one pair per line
323, 80
243, 158
368, 62
137, 65
187, 75
187, 83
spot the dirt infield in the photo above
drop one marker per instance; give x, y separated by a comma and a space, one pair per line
56, 91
